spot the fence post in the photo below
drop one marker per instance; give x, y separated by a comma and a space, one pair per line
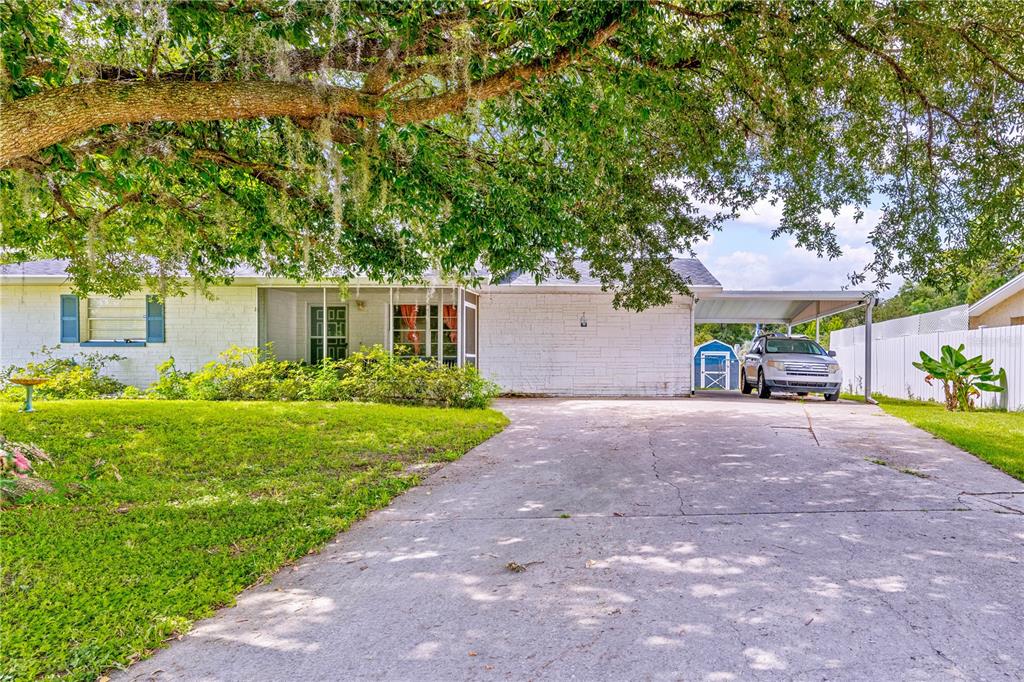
867, 350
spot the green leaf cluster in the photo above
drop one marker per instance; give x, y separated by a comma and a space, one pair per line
962, 378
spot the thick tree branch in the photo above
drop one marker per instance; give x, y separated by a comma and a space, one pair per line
30, 124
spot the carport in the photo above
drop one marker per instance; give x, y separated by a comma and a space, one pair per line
784, 307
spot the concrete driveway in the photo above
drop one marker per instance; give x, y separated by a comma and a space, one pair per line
714, 538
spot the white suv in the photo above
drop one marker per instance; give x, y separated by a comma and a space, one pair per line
790, 364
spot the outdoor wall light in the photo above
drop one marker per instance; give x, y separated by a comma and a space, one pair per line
583, 320
360, 305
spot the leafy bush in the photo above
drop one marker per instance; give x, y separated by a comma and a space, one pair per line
77, 376
170, 384
962, 378
368, 376
377, 376
237, 374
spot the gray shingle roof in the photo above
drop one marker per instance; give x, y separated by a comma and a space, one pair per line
52, 267
690, 269
57, 267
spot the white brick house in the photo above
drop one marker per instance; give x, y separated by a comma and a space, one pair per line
555, 338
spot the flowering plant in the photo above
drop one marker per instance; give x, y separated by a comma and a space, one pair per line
17, 465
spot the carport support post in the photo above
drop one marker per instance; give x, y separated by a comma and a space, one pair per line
693, 333
867, 350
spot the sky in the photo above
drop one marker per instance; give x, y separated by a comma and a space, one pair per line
744, 256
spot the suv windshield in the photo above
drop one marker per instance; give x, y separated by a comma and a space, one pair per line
805, 346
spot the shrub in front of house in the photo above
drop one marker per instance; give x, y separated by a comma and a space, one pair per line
77, 376
373, 375
236, 374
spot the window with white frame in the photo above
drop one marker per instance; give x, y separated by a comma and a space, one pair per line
426, 331
116, 319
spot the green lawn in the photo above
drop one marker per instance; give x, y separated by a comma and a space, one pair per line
995, 437
166, 510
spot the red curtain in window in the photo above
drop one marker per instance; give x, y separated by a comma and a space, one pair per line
409, 319
451, 321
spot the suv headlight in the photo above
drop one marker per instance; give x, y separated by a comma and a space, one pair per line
777, 364
833, 368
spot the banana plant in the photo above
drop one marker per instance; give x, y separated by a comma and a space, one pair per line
962, 378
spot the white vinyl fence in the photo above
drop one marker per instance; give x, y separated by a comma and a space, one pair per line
894, 375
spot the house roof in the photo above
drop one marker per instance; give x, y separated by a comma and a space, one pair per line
1011, 288
691, 270
54, 270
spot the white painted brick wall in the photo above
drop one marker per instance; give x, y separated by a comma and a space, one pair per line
529, 343
196, 329
533, 343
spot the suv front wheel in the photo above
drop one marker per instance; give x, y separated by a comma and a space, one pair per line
745, 388
762, 387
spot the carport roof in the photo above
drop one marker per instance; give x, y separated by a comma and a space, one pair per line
774, 307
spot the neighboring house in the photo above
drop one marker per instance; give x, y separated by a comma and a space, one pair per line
558, 337
1003, 307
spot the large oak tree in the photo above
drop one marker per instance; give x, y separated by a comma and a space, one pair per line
149, 141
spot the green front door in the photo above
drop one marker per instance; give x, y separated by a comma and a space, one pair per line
337, 333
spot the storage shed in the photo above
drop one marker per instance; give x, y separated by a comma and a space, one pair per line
715, 365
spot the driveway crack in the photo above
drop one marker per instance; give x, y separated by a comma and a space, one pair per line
657, 474
923, 635
810, 426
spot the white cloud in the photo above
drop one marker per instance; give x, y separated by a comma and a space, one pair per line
792, 268
762, 214
743, 256
852, 231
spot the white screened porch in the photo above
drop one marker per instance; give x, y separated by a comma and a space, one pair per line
425, 322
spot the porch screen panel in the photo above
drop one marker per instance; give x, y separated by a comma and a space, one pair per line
450, 337
470, 332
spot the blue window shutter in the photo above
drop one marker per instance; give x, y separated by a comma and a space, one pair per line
154, 320
68, 318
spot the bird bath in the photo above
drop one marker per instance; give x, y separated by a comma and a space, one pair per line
28, 383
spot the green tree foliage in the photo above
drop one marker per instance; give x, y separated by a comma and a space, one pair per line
154, 141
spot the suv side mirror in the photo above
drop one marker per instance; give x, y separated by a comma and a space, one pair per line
831, 353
